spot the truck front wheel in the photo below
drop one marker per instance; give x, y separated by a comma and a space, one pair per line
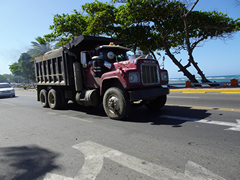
157, 103
43, 98
54, 99
116, 103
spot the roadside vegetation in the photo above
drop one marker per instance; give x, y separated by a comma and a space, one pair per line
149, 25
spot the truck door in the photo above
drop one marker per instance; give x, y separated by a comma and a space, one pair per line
90, 81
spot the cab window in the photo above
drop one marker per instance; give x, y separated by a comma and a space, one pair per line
120, 54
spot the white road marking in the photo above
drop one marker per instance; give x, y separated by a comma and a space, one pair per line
207, 108
50, 176
183, 97
52, 113
234, 126
95, 153
197, 172
27, 95
8, 104
80, 119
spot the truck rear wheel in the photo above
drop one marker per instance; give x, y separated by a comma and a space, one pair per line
43, 98
157, 103
54, 99
116, 103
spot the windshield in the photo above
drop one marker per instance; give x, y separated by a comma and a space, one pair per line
120, 54
5, 86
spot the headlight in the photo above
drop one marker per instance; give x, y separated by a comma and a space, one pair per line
134, 77
164, 76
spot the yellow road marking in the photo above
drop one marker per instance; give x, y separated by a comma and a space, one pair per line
207, 108
230, 92
203, 92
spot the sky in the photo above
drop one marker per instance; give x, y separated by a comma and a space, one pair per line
21, 21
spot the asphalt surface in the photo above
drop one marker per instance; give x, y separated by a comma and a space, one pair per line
174, 143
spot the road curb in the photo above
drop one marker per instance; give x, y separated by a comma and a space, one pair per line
221, 90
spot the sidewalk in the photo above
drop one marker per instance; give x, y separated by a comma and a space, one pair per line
232, 90
21, 89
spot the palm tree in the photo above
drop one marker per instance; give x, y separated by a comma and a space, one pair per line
40, 46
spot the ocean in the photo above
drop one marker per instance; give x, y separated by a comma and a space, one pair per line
221, 80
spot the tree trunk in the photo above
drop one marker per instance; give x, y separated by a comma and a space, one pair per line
152, 53
180, 66
204, 79
189, 48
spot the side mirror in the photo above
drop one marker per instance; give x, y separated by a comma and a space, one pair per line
84, 59
110, 55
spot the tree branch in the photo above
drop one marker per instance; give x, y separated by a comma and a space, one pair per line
188, 65
191, 8
195, 43
152, 53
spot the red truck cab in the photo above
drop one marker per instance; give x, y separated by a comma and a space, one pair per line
111, 66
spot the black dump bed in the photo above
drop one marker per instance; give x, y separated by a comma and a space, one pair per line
56, 67
88, 42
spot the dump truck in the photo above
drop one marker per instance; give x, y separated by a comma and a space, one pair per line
91, 71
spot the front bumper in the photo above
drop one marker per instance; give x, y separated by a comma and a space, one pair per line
7, 93
147, 93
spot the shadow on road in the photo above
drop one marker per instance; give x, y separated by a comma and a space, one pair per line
144, 115
98, 111
26, 162
8, 97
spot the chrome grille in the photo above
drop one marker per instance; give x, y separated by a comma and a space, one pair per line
150, 74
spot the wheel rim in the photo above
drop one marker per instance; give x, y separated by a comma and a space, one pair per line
113, 104
51, 98
43, 98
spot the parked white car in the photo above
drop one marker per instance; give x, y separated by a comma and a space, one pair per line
6, 90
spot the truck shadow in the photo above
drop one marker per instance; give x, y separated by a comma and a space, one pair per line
98, 111
144, 115
26, 162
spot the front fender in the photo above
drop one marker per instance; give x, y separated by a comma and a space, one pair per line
112, 79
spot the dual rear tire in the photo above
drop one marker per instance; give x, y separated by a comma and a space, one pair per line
43, 98
52, 99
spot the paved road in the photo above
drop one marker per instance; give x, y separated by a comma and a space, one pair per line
196, 136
